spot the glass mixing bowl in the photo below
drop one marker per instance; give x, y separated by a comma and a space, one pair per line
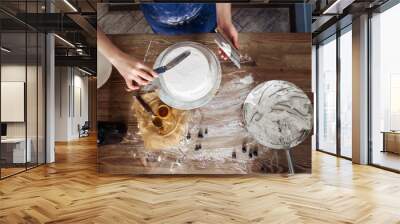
214, 69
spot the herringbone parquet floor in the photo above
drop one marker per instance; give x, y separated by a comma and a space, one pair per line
71, 191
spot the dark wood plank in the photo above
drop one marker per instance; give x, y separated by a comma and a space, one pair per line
261, 19
102, 9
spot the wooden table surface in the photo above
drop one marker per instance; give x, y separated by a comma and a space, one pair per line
278, 56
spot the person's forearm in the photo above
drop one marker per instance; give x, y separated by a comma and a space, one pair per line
106, 47
224, 15
224, 23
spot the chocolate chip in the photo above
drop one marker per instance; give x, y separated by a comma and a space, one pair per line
255, 152
200, 134
188, 136
234, 155
244, 150
250, 155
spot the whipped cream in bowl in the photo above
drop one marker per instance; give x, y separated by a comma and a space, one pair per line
193, 82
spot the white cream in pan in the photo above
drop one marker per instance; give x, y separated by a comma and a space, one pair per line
191, 79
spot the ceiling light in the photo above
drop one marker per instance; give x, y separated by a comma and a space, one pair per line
84, 71
5, 49
64, 40
70, 5
80, 51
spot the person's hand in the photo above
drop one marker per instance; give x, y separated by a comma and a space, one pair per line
133, 71
225, 25
231, 33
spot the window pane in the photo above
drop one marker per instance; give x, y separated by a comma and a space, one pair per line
385, 115
345, 94
327, 96
14, 153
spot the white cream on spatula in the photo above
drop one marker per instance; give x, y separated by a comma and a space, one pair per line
191, 79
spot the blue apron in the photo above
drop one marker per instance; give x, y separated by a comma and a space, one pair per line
180, 18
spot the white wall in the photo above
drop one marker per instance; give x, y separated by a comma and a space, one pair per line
11, 73
79, 117
16, 73
70, 83
61, 103
33, 126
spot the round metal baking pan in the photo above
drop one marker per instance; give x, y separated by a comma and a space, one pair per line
278, 114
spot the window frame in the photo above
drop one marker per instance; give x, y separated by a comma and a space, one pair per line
31, 30
381, 9
333, 37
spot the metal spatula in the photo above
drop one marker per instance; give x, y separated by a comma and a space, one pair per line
154, 84
178, 59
